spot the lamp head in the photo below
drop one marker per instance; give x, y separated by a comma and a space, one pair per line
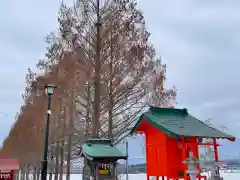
49, 89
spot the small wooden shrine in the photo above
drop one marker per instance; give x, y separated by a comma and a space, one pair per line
170, 135
8, 167
100, 159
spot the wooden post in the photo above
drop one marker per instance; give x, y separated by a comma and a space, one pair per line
183, 148
215, 146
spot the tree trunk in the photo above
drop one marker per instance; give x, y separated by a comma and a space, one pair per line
71, 126
62, 144
38, 173
60, 129
56, 161
110, 92
27, 172
61, 160
69, 157
87, 121
23, 170
97, 77
86, 135
50, 157
34, 173
16, 175
50, 175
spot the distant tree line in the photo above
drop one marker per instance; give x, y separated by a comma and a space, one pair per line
132, 169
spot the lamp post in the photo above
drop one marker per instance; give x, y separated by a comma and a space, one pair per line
49, 88
127, 176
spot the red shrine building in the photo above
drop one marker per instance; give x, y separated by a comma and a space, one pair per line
170, 134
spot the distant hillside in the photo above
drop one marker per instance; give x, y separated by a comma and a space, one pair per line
141, 168
233, 162
132, 169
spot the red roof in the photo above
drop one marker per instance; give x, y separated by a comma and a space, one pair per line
9, 164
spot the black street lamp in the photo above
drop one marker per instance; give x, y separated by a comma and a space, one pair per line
49, 88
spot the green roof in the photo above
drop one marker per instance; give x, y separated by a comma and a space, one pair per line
101, 148
178, 122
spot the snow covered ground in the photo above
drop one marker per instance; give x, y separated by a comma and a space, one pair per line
226, 176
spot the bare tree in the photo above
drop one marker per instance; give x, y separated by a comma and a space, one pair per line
124, 66
102, 55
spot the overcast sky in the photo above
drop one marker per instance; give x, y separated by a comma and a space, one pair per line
198, 40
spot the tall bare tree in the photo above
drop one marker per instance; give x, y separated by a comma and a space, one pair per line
112, 37
102, 54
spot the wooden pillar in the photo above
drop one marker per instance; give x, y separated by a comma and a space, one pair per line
197, 156
184, 157
215, 146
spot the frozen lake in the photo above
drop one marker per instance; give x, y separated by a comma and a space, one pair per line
226, 176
